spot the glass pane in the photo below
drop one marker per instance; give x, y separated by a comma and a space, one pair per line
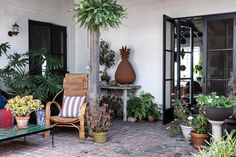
168, 94
169, 36
220, 34
219, 65
169, 65
220, 87
185, 34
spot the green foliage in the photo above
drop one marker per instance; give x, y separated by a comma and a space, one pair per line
143, 106
174, 128
19, 80
182, 113
106, 56
96, 14
214, 100
226, 147
114, 104
3, 48
198, 68
199, 124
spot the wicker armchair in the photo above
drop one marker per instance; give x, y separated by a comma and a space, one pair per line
73, 85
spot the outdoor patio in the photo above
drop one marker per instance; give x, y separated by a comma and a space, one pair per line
125, 139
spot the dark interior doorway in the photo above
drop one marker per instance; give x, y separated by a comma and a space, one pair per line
49, 37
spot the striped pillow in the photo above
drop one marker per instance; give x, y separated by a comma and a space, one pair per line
71, 106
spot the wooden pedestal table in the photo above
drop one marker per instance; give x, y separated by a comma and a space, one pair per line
125, 89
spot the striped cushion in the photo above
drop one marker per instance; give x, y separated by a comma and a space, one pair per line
71, 106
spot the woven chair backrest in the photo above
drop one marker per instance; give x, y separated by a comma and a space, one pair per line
75, 84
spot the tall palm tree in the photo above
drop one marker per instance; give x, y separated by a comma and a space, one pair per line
96, 15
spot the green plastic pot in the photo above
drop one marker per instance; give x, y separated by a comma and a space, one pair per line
100, 137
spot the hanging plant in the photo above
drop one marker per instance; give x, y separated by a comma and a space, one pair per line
96, 14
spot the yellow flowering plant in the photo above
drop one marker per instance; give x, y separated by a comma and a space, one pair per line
23, 106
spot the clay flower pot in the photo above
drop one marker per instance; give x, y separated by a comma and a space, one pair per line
198, 140
100, 137
22, 122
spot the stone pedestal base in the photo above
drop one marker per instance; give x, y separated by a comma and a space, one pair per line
216, 129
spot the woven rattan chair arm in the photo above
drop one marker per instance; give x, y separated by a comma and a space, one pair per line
57, 95
83, 109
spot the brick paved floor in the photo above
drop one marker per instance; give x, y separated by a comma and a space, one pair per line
125, 139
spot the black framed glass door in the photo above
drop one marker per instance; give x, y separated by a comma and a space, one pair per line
174, 33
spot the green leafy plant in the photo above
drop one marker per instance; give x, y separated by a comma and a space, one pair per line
154, 111
96, 14
199, 124
106, 56
140, 106
225, 147
16, 76
198, 68
3, 48
182, 113
23, 106
214, 100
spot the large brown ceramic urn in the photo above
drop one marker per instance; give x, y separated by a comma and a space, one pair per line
125, 73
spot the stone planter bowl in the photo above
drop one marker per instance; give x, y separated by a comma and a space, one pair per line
217, 114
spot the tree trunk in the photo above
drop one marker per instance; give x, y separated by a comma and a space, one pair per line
94, 90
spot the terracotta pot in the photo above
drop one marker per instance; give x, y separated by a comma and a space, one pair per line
100, 137
217, 114
22, 122
198, 140
125, 73
151, 119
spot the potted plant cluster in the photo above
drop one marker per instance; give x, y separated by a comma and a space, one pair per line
143, 106
199, 133
106, 58
21, 107
215, 107
184, 116
98, 122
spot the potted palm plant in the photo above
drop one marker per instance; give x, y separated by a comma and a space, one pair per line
21, 107
99, 122
183, 115
200, 131
215, 107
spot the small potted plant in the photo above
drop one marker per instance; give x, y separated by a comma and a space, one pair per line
139, 106
200, 131
21, 107
98, 122
153, 113
106, 58
183, 115
215, 107
198, 70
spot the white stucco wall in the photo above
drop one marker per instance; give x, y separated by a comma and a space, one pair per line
142, 32
51, 11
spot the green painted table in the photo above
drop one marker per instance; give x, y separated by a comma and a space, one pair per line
11, 133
